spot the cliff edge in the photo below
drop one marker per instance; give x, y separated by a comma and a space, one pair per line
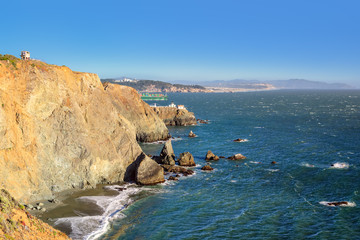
61, 129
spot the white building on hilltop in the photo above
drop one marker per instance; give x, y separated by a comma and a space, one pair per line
25, 55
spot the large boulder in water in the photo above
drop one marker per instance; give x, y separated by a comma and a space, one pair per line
148, 171
238, 156
211, 156
186, 159
167, 155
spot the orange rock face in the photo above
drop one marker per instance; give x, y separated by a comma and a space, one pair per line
61, 129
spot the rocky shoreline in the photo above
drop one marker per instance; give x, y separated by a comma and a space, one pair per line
63, 131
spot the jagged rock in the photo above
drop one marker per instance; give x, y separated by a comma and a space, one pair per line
172, 178
238, 156
186, 159
191, 134
148, 171
177, 169
211, 156
167, 155
207, 168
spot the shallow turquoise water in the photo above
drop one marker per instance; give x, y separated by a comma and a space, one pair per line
303, 131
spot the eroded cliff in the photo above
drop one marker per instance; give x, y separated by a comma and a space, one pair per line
61, 129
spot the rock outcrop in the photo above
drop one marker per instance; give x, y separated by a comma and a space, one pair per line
167, 155
210, 156
61, 129
129, 105
177, 169
186, 159
207, 168
237, 156
148, 172
17, 223
191, 134
173, 116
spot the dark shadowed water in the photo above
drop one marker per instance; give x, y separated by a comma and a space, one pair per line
305, 132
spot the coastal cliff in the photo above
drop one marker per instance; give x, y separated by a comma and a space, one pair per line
61, 129
173, 116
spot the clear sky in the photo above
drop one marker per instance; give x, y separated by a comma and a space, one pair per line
190, 39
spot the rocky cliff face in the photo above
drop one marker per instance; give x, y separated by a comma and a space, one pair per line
61, 129
173, 116
127, 102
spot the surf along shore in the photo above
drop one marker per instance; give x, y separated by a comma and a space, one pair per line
63, 132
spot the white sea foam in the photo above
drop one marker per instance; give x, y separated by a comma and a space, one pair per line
307, 165
254, 162
340, 204
272, 170
91, 227
340, 165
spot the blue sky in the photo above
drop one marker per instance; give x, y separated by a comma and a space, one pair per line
190, 39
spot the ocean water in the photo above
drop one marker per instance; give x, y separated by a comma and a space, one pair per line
314, 138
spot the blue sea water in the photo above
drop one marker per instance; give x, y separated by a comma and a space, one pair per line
304, 132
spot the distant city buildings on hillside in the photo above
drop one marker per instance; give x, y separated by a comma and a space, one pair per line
125, 80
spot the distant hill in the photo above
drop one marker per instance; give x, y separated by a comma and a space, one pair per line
306, 84
156, 86
276, 84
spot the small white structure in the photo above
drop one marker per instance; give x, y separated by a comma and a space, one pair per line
181, 107
172, 105
25, 55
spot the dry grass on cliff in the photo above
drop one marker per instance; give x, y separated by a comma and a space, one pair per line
17, 223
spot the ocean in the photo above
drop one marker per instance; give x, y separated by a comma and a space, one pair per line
314, 138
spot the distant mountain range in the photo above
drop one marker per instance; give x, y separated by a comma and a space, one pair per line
277, 84
224, 85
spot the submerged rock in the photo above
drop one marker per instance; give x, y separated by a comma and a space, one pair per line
177, 169
211, 156
238, 156
172, 178
338, 204
148, 171
207, 168
239, 140
186, 159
